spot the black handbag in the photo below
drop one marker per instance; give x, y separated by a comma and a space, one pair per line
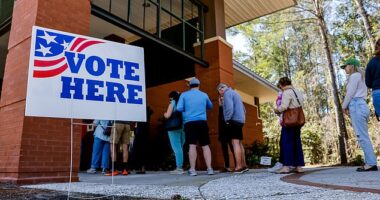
174, 122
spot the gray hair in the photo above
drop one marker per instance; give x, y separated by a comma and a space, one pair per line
220, 86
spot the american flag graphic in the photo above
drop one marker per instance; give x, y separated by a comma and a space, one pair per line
50, 48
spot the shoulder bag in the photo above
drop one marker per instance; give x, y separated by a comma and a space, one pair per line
294, 117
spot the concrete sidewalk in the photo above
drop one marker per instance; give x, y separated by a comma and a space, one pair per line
256, 184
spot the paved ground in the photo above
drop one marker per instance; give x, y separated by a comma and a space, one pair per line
257, 184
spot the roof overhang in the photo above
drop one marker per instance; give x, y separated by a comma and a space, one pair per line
237, 12
251, 85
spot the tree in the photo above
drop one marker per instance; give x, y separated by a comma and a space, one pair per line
319, 13
367, 25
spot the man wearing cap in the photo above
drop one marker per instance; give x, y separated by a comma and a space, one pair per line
372, 78
234, 115
193, 105
356, 107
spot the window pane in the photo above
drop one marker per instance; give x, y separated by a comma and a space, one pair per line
190, 10
137, 13
151, 18
120, 8
171, 29
105, 4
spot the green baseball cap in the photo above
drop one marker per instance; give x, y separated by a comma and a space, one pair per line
351, 61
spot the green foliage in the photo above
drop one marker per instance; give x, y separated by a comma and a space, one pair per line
312, 144
254, 152
288, 43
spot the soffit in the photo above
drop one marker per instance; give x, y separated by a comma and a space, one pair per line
237, 12
250, 85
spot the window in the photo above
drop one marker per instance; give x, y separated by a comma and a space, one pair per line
177, 22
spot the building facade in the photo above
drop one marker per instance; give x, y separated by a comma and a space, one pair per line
181, 38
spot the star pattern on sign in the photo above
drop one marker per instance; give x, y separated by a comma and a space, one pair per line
65, 44
44, 50
48, 38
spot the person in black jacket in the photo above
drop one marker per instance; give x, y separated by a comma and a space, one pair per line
372, 78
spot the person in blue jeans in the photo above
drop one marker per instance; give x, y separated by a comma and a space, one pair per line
176, 137
356, 107
101, 148
372, 78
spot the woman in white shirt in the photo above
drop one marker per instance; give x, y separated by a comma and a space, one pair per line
291, 144
356, 107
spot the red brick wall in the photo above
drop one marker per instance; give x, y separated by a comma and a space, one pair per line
253, 128
35, 149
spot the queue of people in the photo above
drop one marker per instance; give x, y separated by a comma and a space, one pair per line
354, 106
186, 120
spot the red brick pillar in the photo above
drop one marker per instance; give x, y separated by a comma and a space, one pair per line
219, 55
32, 149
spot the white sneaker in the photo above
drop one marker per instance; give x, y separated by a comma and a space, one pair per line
192, 172
276, 167
177, 171
91, 171
210, 171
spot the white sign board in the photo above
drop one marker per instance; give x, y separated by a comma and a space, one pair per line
265, 160
75, 76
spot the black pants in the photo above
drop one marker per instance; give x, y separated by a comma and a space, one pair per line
225, 145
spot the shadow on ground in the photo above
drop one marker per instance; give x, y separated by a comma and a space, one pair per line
13, 192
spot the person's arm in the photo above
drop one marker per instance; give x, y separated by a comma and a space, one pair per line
228, 106
285, 101
96, 122
169, 111
208, 104
368, 76
352, 85
180, 104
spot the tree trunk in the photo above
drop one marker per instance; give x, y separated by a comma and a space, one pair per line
338, 108
367, 25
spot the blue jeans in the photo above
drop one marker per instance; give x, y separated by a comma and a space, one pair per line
376, 101
177, 140
291, 146
100, 151
359, 114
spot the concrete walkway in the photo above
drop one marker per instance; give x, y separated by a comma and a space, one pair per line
256, 184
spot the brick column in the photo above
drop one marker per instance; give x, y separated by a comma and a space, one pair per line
32, 149
219, 55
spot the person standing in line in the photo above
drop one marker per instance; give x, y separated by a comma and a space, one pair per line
176, 137
101, 148
139, 153
355, 106
372, 78
234, 116
290, 136
224, 139
121, 134
193, 105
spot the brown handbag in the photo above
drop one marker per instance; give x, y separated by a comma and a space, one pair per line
294, 117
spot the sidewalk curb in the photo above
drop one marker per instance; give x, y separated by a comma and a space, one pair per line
296, 179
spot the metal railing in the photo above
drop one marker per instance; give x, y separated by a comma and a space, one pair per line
168, 13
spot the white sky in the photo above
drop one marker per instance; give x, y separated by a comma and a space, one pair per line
238, 42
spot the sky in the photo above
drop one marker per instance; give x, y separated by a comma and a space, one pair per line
238, 42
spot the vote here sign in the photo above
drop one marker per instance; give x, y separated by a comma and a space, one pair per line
75, 76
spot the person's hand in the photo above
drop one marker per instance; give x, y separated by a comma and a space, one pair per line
161, 119
346, 111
